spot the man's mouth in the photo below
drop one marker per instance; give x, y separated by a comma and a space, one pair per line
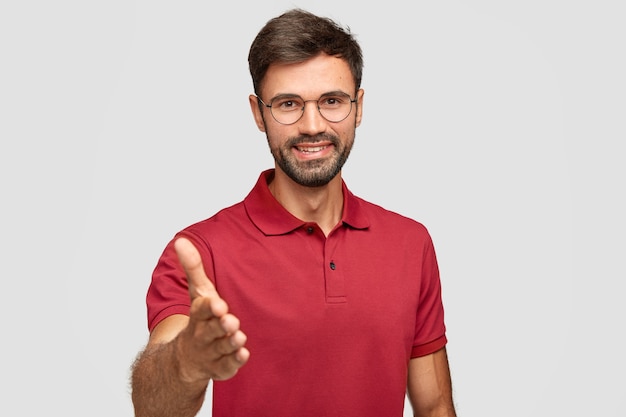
311, 149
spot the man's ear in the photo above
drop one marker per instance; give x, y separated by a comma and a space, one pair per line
256, 112
359, 106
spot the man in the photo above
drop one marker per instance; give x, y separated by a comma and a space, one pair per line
340, 299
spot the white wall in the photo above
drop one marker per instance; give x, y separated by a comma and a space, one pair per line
499, 125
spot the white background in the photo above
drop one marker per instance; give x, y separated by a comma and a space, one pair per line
499, 125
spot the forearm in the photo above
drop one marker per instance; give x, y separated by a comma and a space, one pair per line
158, 388
440, 403
445, 410
430, 386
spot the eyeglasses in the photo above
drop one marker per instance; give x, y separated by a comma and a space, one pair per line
287, 109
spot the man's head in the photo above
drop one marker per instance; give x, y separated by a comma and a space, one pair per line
297, 36
306, 73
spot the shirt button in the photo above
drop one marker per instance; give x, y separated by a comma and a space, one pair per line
309, 230
332, 266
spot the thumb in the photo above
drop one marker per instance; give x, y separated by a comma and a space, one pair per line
199, 283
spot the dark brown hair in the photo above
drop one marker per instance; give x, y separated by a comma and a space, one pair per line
298, 35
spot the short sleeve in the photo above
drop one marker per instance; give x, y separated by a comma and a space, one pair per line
430, 330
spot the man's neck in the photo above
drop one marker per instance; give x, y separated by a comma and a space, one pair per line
322, 205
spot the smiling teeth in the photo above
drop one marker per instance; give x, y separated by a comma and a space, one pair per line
308, 149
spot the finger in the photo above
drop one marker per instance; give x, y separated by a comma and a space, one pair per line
211, 309
227, 345
227, 366
199, 283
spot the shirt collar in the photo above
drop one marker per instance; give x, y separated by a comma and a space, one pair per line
273, 219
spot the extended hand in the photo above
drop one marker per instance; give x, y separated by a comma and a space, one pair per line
212, 344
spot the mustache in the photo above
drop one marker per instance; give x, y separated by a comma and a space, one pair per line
312, 139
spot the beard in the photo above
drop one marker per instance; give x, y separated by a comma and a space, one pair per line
313, 173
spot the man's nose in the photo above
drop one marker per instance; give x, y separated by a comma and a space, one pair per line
312, 122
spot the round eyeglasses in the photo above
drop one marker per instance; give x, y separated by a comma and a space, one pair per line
287, 109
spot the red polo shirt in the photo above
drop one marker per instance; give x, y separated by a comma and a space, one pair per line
331, 321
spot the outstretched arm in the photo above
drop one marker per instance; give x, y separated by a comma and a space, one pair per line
183, 354
429, 386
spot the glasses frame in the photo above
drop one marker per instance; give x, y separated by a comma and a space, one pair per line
319, 110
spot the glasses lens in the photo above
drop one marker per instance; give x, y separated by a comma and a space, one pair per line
287, 110
335, 107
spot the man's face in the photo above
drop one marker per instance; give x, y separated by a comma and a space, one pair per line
312, 150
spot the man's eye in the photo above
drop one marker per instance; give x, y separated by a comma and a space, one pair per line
287, 105
331, 102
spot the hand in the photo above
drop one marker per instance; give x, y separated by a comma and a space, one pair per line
212, 345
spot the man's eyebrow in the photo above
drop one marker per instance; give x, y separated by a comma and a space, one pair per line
335, 93
285, 95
